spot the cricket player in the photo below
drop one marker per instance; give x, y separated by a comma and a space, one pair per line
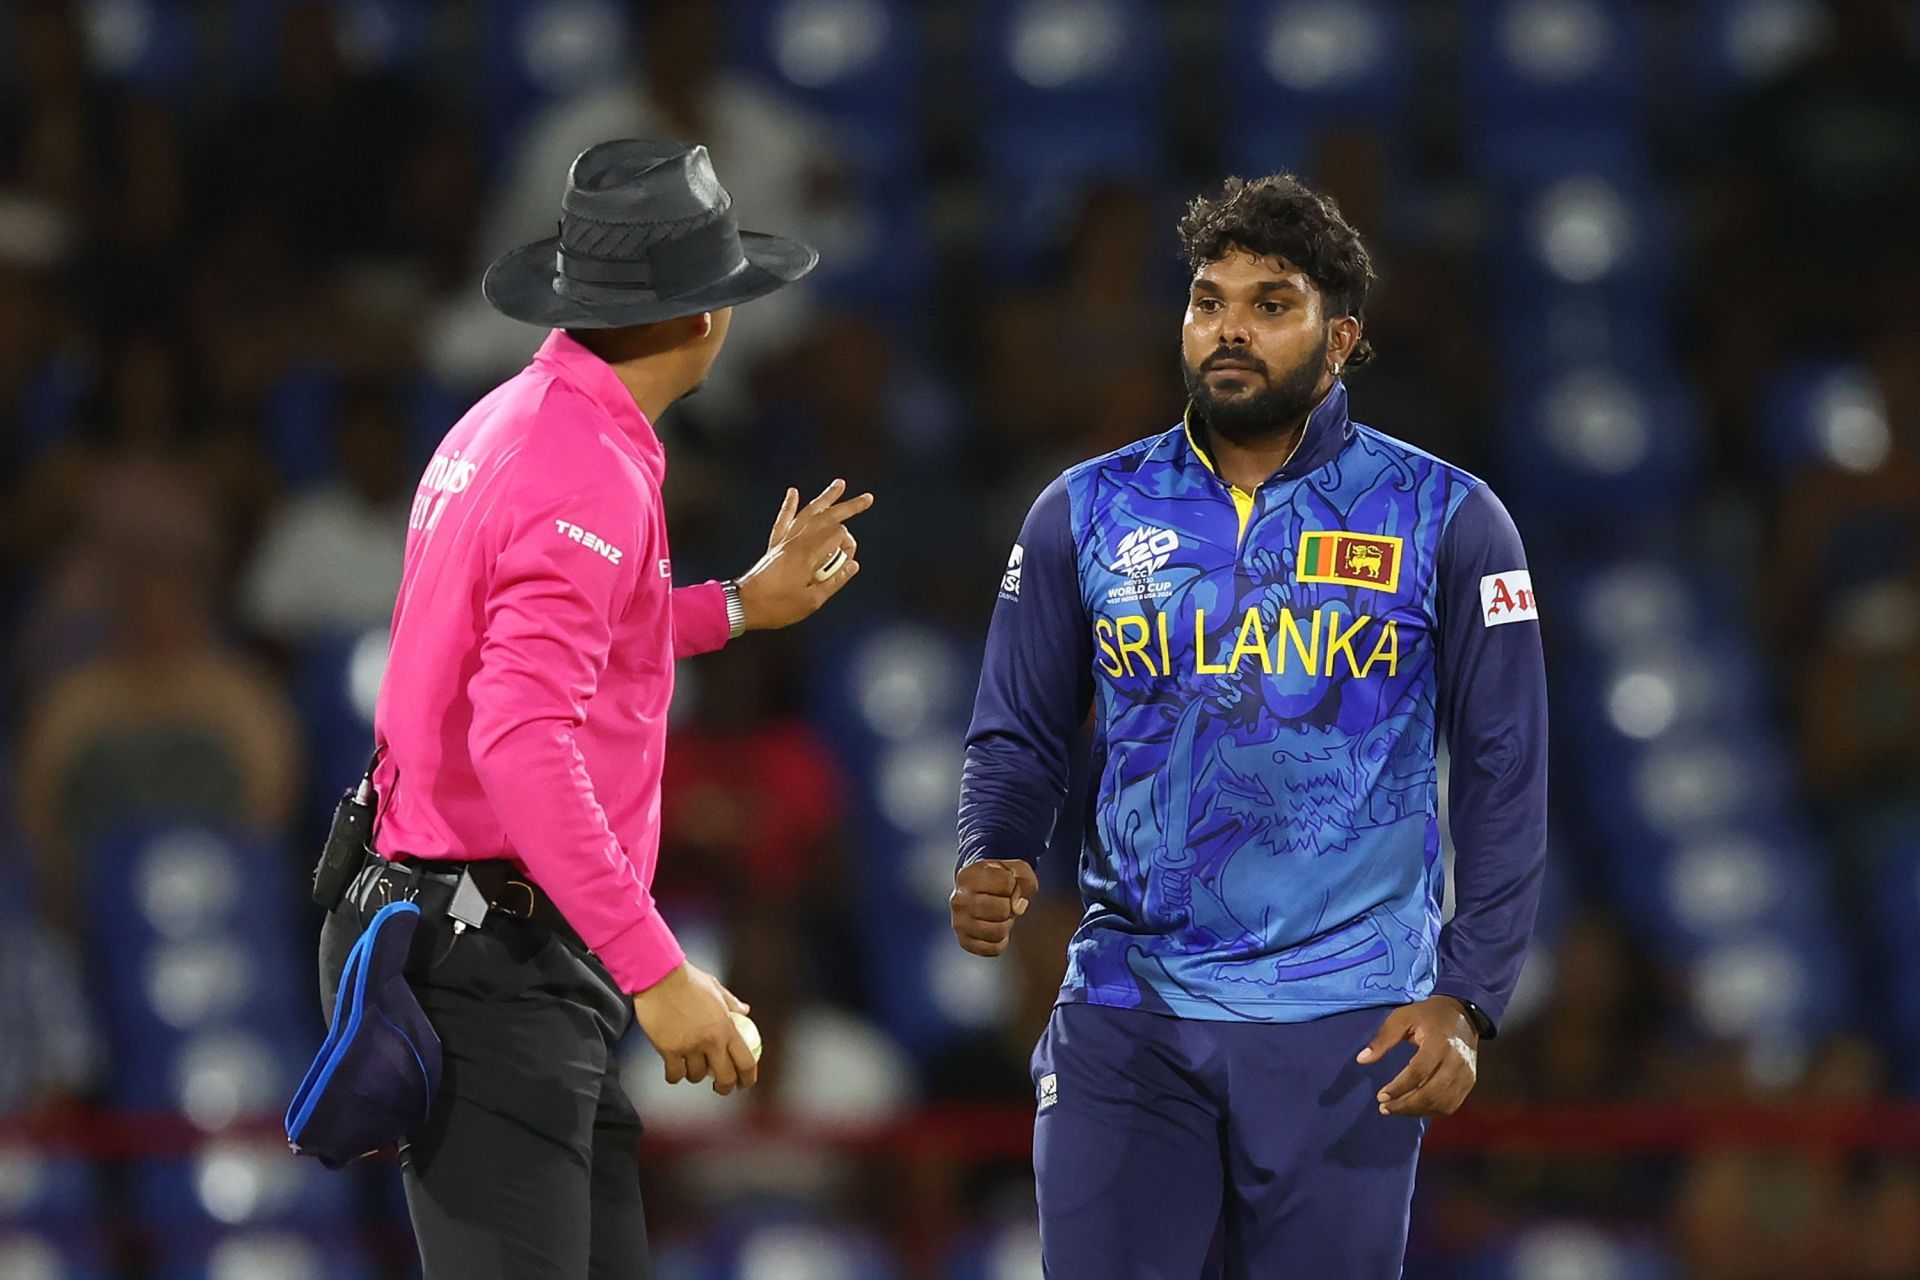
1275, 613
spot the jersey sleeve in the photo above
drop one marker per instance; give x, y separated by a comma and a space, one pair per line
1493, 713
699, 619
1036, 683
550, 606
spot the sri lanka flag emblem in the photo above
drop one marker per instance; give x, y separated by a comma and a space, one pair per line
1350, 559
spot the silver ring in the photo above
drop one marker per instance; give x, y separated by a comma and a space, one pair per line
832, 566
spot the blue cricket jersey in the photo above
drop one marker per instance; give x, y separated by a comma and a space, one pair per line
1269, 674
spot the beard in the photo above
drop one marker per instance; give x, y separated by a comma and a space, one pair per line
1257, 416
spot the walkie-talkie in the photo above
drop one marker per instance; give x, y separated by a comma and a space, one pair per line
349, 841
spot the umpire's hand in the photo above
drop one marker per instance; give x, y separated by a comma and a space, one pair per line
987, 895
688, 1016
784, 586
1445, 1064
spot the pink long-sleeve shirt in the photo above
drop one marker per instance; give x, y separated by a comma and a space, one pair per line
524, 710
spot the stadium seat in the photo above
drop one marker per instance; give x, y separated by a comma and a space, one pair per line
33, 1255
997, 1253
534, 52
1574, 1251
1823, 412
44, 1192
1602, 234
858, 63
373, 36
1739, 44
1613, 444
193, 934
1546, 80
303, 425
817, 1251
336, 682
880, 253
268, 1255
1895, 952
1074, 83
240, 1184
1298, 66
147, 44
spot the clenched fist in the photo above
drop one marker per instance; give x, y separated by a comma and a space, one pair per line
987, 896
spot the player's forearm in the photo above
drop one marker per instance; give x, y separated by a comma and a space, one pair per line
1010, 794
1498, 817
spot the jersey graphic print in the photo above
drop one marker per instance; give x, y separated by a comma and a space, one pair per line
1264, 842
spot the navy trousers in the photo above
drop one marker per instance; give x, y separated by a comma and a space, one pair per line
1156, 1133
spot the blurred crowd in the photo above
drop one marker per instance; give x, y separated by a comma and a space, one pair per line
238, 306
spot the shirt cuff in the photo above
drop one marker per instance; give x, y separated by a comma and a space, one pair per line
699, 619
641, 955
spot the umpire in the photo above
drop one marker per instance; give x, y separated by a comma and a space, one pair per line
523, 719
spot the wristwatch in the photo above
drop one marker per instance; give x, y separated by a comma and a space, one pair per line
1482, 1024
736, 611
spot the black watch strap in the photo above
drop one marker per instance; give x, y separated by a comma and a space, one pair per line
1482, 1024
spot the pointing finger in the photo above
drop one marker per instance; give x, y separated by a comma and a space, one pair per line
847, 510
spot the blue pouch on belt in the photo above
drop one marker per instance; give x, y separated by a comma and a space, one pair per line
376, 1075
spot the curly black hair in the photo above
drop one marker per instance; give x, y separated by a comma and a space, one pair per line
1279, 216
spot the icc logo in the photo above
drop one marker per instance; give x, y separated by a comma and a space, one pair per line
1145, 551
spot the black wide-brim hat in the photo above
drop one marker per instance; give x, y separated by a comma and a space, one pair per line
374, 1079
647, 233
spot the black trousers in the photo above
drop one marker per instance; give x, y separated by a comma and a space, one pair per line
528, 1167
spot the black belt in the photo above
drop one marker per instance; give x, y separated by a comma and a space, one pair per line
508, 891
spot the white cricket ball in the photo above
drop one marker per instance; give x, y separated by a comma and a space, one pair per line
748, 1032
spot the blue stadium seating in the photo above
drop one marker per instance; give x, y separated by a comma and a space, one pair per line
373, 35
1894, 957
534, 52
858, 63
335, 681
1822, 411
34, 1255
44, 1192
1004, 1253
193, 941
1739, 44
302, 418
895, 697
1074, 83
1686, 793
149, 45
267, 1255
881, 254
1295, 67
1550, 79
1558, 1250
1612, 444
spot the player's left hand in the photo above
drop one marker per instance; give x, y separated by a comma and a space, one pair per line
783, 587
1445, 1064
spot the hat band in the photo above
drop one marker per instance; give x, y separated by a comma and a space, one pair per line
703, 256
